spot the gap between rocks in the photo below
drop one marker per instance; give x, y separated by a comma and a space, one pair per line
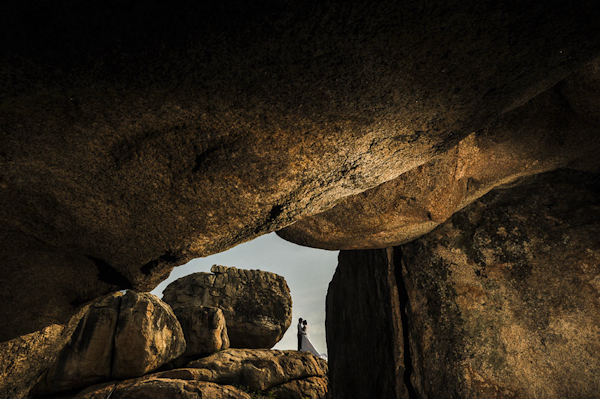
403, 297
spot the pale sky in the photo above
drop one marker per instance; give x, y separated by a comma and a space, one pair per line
307, 272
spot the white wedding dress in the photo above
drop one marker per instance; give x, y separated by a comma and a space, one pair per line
307, 346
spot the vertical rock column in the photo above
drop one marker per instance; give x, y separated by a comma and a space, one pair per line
504, 298
364, 328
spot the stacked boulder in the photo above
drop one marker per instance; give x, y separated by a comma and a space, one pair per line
125, 340
257, 305
121, 336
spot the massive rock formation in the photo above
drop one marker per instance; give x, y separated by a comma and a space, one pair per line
136, 137
121, 336
257, 305
558, 128
364, 327
503, 298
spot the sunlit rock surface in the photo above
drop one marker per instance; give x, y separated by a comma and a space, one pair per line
257, 305
246, 373
120, 336
558, 128
258, 369
204, 328
136, 137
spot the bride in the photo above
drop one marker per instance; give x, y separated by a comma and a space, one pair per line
306, 345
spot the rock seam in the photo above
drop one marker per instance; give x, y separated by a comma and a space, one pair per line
403, 298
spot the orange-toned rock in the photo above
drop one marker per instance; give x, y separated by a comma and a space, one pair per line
148, 335
132, 144
258, 369
559, 128
204, 329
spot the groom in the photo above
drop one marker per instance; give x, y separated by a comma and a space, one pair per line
300, 333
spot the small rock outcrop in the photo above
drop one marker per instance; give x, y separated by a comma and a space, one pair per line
503, 298
204, 329
271, 373
161, 388
24, 359
257, 305
87, 358
258, 369
121, 336
364, 328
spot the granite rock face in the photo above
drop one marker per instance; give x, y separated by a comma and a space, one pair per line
558, 128
185, 130
204, 329
365, 339
257, 305
148, 335
503, 298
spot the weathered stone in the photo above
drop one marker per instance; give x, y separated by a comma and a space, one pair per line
87, 358
558, 128
204, 329
308, 388
24, 359
364, 327
257, 305
148, 335
503, 298
258, 369
160, 388
185, 130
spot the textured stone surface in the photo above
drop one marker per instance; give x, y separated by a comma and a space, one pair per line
504, 297
556, 129
88, 356
24, 359
120, 336
160, 388
148, 335
278, 374
258, 369
257, 305
308, 388
204, 329
364, 327
185, 130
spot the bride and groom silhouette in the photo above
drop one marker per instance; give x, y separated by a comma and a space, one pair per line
304, 343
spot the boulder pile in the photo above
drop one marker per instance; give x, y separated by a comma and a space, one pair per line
124, 340
257, 305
